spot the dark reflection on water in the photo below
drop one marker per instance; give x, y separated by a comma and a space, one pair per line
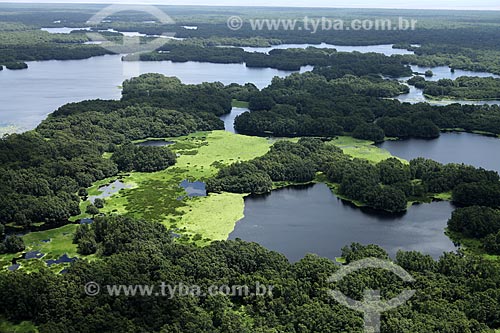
300, 220
472, 149
14, 267
62, 260
155, 143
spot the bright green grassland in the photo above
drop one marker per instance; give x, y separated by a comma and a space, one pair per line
362, 149
23, 327
239, 104
157, 196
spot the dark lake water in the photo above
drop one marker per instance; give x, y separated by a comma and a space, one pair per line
155, 143
194, 189
66, 30
300, 220
64, 259
473, 149
109, 190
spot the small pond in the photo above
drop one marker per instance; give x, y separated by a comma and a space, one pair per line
194, 189
64, 259
109, 190
155, 143
33, 255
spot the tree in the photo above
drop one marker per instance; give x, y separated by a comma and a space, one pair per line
82, 192
14, 244
357, 251
87, 244
492, 243
130, 157
386, 198
393, 171
99, 203
425, 128
479, 194
92, 210
396, 127
416, 261
261, 102
370, 132
475, 221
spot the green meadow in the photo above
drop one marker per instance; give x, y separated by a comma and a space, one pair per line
22, 327
158, 196
239, 104
362, 149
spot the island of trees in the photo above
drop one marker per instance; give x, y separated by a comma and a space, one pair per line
310, 104
465, 87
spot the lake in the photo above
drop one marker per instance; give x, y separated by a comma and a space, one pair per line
473, 149
47, 85
311, 219
385, 48
66, 30
442, 72
30, 95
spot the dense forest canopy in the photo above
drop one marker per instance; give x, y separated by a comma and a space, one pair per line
342, 63
309, 104
470, 44
455, 294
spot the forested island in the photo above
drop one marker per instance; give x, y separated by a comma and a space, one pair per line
472, 88
311, 104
